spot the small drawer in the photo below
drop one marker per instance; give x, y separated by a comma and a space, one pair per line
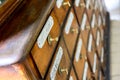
94, 63
72, 75
86, 72
80, 57
44, 47
89, 8
94, 25
91, 43
101, 76
79, 6
70, 32
85, 28
61, 9
60, 66
103, 59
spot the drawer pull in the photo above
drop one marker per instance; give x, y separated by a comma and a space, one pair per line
50, 39
82, 5
67, 3
88, 27
60, 70
72, 30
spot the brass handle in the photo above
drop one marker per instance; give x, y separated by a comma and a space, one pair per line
81, 56
67, 3
72, 30
82, 4
50, 39
88, 27
61, 70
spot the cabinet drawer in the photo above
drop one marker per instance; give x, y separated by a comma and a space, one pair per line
60, 66
44, 47
94, 63
80, 57
93, 23
91, 43
72, 75
79, 6
101, 76
89, 8
86, 72
70, 32
61, 9
85, 28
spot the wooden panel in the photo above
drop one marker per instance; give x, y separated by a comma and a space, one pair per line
60, 66
7, 7
80, 57
61, 9
72, 75
19, 34
85, 28
70, 32
79, 6
42, 54
89, 8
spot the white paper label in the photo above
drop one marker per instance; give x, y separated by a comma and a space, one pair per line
56, 63
96, 4
99, 21
59, 3
102, 55
46, 29
78, 51
77, 2
85, 71
71, 78
87, 4
94, 64
90, 43
98, 38
83, 21
93, 21
69, 22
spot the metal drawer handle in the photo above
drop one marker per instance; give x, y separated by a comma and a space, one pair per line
88, 27
63, 70
82, 4
50, 39
72, 30
67, 3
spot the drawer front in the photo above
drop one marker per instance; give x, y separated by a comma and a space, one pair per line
89, 8
61, 9
72, 75
101, 76
70, 32
85, 28
44, 47
79, 6
93, 23
86, 72
60, 66
80, 57
94, 63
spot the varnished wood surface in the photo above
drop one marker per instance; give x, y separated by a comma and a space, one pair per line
18, 35
8, 7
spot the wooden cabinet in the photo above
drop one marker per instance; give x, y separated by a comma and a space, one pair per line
52, 40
